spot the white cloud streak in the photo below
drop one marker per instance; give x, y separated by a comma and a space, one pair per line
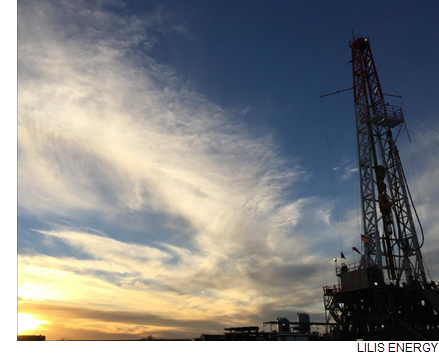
104, 129
98, 132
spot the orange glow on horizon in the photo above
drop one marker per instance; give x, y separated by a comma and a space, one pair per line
27, 322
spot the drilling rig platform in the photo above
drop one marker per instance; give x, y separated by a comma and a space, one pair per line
386, 296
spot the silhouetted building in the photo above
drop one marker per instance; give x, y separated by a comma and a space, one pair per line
284, 331
31, 338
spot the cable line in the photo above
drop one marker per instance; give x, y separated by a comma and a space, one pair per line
412, 127
423, 121
339, 73
332, 177
408, 108
420, 208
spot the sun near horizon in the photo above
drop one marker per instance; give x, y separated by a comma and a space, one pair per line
28, 324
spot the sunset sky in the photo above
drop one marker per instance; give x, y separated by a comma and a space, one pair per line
174, 176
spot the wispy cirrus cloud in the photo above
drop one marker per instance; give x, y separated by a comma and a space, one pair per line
99, 132
105, 130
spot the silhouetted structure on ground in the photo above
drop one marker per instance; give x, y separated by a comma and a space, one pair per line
284, 331
31, 338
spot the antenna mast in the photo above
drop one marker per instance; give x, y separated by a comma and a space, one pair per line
387, 295
390, 237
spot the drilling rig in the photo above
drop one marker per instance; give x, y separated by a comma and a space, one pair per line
385, 296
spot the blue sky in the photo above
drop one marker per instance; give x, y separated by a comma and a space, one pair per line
174, 176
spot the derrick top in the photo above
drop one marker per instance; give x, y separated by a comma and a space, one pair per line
358, 39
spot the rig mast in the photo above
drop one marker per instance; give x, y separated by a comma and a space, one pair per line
382, 177
386, 295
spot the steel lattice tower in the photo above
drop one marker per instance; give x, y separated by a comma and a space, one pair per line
386, 296
391, 239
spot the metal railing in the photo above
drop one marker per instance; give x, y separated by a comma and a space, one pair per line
389, 111
329, 289
347, 268
383, 114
